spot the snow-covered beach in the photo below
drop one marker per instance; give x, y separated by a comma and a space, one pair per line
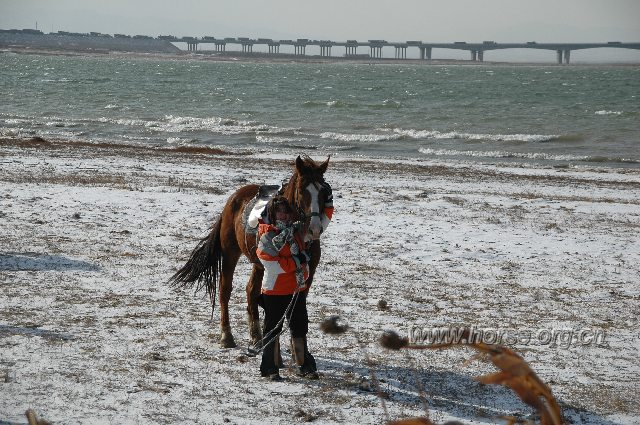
91, 333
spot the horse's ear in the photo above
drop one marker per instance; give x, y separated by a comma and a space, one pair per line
300, 165
325, 165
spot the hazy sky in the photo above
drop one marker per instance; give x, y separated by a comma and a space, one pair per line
398, 20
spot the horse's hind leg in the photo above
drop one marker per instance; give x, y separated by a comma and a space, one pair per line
229, 262
253, 315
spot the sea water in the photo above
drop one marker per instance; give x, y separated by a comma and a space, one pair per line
537, 115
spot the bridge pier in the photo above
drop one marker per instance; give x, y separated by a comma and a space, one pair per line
192, 47
401, 52
481, 55
567, 56
474, 55
376, 52
325, 50
351, 50
274, 48
221, 47
247, 48
300, 49
425, 53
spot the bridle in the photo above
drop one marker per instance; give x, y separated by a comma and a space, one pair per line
303, 217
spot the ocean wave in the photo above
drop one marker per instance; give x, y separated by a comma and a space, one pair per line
433, 134
387, 103
55, 124
179, 124
605, 112
226, 126
15, 121
342, 148
342, 137
122, 121
11, 132
499, 154
277, 140
176, 140
522, 155
330, 103
57, 80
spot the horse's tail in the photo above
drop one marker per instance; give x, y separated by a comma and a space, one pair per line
204, 265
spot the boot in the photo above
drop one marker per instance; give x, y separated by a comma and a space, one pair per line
303, 358
269, 365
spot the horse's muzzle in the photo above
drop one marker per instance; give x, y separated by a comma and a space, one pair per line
315, 228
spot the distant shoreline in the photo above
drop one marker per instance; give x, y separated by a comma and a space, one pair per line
283, 58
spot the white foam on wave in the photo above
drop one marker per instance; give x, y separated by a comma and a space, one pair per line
433, 134
502, 154
52, 80
277, 140
14, 121
123, 121
179, 124
605, 112
12, 132
226, 126
391, 103
342, 137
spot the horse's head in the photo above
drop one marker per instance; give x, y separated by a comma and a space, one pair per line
312, 195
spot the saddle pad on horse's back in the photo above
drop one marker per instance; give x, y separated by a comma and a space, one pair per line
255, 207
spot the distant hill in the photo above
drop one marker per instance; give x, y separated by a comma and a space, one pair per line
84, 42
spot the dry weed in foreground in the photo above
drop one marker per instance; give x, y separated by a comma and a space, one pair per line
32, 418
332, 325
514, 373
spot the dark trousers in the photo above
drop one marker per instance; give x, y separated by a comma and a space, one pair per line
274, 308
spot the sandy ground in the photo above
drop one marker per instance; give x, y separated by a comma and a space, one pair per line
91, 333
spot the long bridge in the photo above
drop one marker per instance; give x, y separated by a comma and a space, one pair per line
95, 40
476, 50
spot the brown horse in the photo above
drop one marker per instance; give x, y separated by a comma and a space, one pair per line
216, 256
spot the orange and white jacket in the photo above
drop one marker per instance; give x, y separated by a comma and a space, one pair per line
279, 266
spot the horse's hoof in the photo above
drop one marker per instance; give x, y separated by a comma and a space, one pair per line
228, 343
255, 334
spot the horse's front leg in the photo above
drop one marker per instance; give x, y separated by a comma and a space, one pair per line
253, 315
229, 262
315, 252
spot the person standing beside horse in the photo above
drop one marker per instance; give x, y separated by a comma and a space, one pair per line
212, 263
284, 284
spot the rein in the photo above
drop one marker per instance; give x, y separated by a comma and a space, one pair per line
259, 347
